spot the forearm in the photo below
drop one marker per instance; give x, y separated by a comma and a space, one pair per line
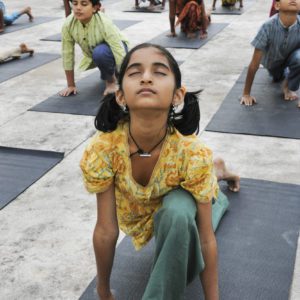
250, 77
70, 77
104, 247
209, 276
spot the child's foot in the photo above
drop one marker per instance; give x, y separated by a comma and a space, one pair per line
25, 49
191, 35
1, 30
151, 7
28, 12
110, 88
288, 94
172, 34
222, 173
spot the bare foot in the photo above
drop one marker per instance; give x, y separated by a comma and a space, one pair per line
111, 87
172, 34
213, 8
28, 12
222, 173
151, 7
25, 49
288, 94
191, 35
1, 30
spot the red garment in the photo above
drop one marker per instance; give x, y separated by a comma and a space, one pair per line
273, 11
190, 15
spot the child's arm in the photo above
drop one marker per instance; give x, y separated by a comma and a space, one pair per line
247, 99
209, 276
172, 14
105, 238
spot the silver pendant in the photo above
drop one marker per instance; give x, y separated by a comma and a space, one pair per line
145, 154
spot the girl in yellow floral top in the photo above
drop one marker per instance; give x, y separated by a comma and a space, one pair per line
153, 176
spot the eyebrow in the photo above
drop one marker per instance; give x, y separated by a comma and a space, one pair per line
156, 64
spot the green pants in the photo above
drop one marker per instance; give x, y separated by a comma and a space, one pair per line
178, 258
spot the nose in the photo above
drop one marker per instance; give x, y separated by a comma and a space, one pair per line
146, 77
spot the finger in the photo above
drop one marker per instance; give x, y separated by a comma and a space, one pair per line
254, 100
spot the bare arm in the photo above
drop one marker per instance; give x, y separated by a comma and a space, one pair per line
209, 276
105, 238
252, 69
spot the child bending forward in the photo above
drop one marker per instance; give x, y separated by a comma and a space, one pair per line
153, 177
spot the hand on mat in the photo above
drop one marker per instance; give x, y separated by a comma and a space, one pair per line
248, 100
68, 91
203, 35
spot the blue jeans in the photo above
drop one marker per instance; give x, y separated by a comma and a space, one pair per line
104, 59
178, 257
290, 70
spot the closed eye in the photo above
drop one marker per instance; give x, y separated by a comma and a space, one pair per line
160, 73
134, 73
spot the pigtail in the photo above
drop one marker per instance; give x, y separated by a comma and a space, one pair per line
109, 114
187, 120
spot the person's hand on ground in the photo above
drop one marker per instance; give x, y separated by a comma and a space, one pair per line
68, 91
248, 100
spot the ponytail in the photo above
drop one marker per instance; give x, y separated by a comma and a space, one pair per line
109, 114
187, 120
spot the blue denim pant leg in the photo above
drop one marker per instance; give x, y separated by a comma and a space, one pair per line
9, 19
104, 59
178, 257
293, 75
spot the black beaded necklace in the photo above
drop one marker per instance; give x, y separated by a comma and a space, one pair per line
140, 151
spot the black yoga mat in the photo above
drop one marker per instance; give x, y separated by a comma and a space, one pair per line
23, 23
271, 116
122, 24
257, 243
16, 67
222, 10
85, 102
181, 41
20, 168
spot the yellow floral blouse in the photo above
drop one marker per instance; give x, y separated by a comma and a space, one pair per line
184, 162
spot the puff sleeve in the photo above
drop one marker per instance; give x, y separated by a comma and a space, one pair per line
199, 177
96, 165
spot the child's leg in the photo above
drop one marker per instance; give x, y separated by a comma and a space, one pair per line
214, 5
11, 18
67, 6
293, 77
241, 4
178, 258
1, 21
137, 5
27, 11
105, 61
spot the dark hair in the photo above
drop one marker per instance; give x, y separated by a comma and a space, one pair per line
185, 121
94, 2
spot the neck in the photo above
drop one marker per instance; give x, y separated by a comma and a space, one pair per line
148, 130
287, 18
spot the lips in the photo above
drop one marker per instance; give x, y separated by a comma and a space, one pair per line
146, 90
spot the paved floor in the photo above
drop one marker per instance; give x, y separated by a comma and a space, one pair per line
45, 234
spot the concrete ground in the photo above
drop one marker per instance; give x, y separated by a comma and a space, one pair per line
46, 233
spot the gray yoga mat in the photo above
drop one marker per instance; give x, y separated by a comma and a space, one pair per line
257, 242
16, 67
122, 24
23, 23
181, 41
86, 102
271, 116
20, 168
221, 10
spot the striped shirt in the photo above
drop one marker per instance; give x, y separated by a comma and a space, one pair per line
277, 41
100, 29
